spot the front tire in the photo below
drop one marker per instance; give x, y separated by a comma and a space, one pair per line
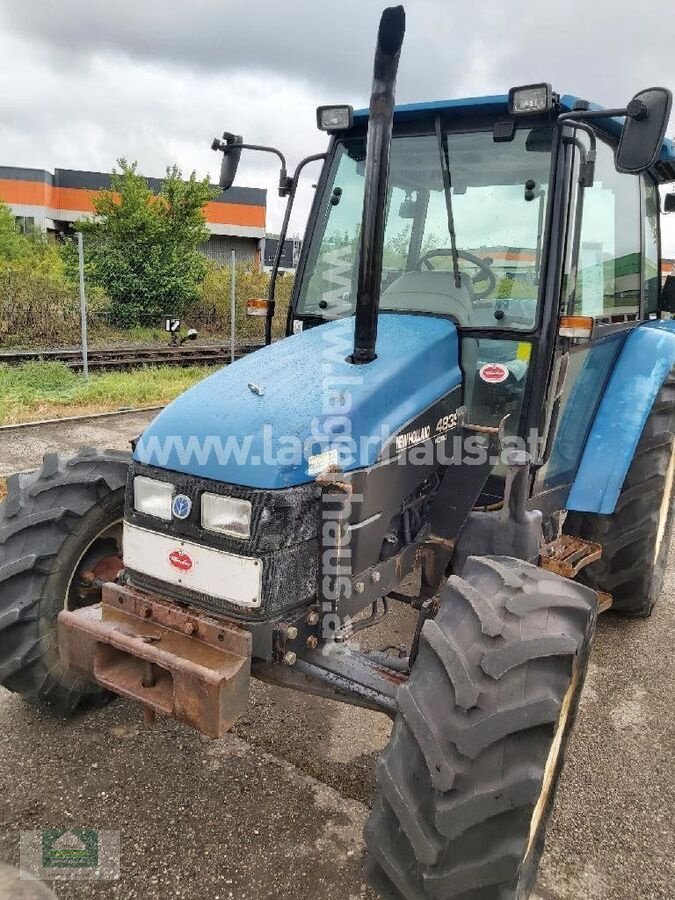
467, 781
56, 523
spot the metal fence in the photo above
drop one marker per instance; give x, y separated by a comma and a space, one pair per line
46, 314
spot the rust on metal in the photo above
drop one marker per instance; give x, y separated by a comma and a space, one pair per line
482, 429
109, 568
91, 581
492, 431
568, 555
333, 479
192, 666
605, 601
392, 675
434, 556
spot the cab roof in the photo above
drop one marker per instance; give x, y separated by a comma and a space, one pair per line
497, 104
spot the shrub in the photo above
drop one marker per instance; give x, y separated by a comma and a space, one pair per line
38, 302
143, 248
213, 307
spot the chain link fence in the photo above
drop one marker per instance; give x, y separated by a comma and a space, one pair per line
38, 311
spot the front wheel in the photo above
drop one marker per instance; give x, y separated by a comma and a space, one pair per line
60, 535
467, 781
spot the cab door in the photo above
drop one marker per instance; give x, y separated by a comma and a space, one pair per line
605, 278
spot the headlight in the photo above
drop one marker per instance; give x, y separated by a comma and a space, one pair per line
530, 99
334, 118
226, 515
153, 497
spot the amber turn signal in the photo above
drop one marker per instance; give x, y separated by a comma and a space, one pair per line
257, 307
575, 326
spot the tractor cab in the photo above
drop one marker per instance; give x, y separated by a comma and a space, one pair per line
503, 214
466, 214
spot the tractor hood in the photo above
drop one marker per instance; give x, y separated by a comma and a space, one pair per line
281, 415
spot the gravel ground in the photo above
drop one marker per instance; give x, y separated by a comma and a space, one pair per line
23, 448
276, 808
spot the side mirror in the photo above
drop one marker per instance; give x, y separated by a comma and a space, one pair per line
644, 130
669, 203
231, 153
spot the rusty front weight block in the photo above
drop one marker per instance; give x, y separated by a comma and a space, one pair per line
179, 663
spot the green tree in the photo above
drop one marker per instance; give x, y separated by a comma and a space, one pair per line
143, 248
34, 252
38, 302
13, 246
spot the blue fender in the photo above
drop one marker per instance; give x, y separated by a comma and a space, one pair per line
646, 358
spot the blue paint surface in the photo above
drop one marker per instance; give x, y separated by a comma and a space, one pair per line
586, 384
643, 364
311, 400
497, 104
488, 105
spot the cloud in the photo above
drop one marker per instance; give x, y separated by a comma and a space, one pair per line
602, 47
86, 82
91, 113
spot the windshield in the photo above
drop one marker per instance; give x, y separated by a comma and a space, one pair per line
496, 198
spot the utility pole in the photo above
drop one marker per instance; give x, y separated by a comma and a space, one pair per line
233, 303
83, 305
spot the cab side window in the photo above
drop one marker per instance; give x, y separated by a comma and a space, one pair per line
608, 276
650, 263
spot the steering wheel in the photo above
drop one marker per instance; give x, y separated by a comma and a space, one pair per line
483, 265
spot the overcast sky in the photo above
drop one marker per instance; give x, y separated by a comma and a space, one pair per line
83, 83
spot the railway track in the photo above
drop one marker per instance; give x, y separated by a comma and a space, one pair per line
132, 357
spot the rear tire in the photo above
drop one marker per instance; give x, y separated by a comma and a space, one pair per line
636, 537
56, 522
467, 781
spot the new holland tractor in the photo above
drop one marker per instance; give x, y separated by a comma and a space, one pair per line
475, 397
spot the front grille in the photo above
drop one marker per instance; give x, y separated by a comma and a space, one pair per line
284, 536
279, 519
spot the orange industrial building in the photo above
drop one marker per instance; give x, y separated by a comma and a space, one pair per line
52, 202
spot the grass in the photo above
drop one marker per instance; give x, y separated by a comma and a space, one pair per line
50, 390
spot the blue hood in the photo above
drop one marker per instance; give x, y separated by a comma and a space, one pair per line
257, 422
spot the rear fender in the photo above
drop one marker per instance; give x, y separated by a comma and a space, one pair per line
646, 358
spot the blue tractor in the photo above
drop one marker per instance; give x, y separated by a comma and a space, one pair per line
475, 396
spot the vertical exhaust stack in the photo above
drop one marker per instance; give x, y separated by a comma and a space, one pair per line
380, 121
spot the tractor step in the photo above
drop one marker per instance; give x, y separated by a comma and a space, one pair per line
175, 662
568, 555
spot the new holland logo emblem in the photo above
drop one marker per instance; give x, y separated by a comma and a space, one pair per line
182, 506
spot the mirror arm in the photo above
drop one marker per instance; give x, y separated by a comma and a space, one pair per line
284, 180
580, 115
292, 188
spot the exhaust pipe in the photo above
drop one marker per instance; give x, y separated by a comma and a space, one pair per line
380, 121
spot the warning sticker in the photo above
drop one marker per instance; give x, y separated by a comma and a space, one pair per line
493, 373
